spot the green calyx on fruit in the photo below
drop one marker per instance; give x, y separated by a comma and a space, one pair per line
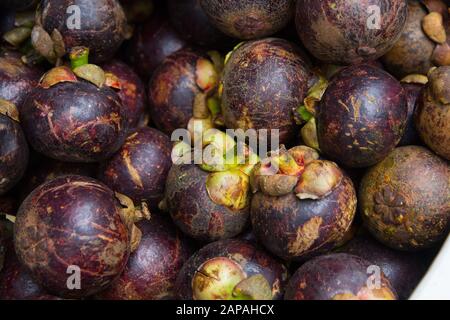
79, 61
23, 25
9, 109
51, 47
309, 134
57, 75
206, 75
229, 188
309, 108
415, 79
222, 278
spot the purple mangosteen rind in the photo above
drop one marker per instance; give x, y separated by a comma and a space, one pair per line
249, 19
72, 221
250, 260
263, 100
362, 116
400, 205
338, 32
337, 276
140, 168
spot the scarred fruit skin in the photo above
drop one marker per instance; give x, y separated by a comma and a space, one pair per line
403, 270
246, 255
413, 51
295, 229
249, 19
72, 221
362, 116
433, 113
173, 88
74, 122
152, 269
337, 31
191, 22
405, 201
16, 282
152, 42
263, 82
14, 153
17, 80
140, 168
337, 276
132, 92
194, 212
411, 136
102, 28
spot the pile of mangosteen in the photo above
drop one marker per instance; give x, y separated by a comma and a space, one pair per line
222, 150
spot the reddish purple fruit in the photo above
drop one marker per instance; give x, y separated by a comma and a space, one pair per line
263, 82
404, 199
191, 22
362, 116
139, 169
348, 32
152, 42
152, 269
131, 91
249, 19
17, 80
403, 270
338, 276
72, 221
102, 27
231, 270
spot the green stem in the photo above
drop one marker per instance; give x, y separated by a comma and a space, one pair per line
79, 56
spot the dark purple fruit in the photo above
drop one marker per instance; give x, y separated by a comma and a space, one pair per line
349, 32
249, 19
362, 116
175, 86
403, 270
404, 199
339, 276
191, 22
102, 25
72, 221
152, 42
131, 91
16, 282
152, 269
14, 151
411, 136
231, 270
17, 80
433, 112
306, 208
412, 53
139, 169
263, 82
74, 120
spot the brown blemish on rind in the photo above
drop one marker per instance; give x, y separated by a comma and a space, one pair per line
306, 235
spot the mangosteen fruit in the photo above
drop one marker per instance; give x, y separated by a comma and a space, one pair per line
231, 270
17, 79
131, 91
433, 112
302, 206
152, 42
263, 81
413, 51
339, 276
349, 32
62, 25
192, 23
361, 116
140, 168
152, 269
404, 270
185, 79
73, 230
73, 115
404, 200
208, 197
411, 136
14, 151
249, 19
